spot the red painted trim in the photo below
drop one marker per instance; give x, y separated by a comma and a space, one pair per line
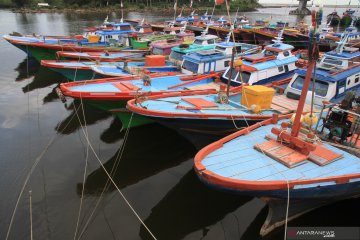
51, 64
73, 48
278, 50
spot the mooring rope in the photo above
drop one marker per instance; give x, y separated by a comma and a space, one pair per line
118, 158
109, 176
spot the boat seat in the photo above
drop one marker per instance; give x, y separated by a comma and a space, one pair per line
199, 102
125, 87
323, 156
205, 86
281, 153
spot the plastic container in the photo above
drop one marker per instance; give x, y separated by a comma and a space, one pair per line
93, 38
154, 60
257, 95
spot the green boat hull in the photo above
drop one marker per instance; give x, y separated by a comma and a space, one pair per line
295, 41
145, 44
124, 116
139, 44
38, 53
77, 75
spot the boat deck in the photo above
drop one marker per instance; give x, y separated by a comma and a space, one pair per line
157, 85
238, 160
280, 104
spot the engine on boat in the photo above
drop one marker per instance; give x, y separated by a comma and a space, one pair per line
342, 122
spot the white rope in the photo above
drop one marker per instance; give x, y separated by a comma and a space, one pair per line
31, 222
82, 191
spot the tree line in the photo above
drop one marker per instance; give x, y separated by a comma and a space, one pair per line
242, 4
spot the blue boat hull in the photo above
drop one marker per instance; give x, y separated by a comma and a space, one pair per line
343, 191
201, 132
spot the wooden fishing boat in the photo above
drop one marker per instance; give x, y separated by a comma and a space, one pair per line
298, 39
203, 123
303, 164
164, 47
109, 94
241, 33
152, 63
217, 59
337, 73
101, 56
275, 62
203, 42
203, 117
148, 85
144, 42
74, 70
86, 70
264, 35
107, 105
45, 48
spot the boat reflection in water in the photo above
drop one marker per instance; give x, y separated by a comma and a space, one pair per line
27, 68
197, 208
133, 166
78, 116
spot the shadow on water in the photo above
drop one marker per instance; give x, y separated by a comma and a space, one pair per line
111, 134
26, 69
43, 78
188, 207
324, 216
139, 160
88, 115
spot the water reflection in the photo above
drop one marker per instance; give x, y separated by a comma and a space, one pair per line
26, 69
88, 115
188, 207
51, 96
140, 160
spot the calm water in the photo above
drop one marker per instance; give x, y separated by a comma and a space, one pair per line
153, 170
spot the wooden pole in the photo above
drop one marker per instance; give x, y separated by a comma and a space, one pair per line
231, 70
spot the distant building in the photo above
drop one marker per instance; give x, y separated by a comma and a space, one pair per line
43, 5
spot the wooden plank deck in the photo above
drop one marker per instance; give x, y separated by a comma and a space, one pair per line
286, 105
205, 86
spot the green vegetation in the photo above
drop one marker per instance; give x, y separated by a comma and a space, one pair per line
243, 5
6, 3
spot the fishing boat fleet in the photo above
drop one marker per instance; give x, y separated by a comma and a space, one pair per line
281, 122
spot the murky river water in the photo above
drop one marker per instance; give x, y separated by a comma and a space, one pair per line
42, 144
